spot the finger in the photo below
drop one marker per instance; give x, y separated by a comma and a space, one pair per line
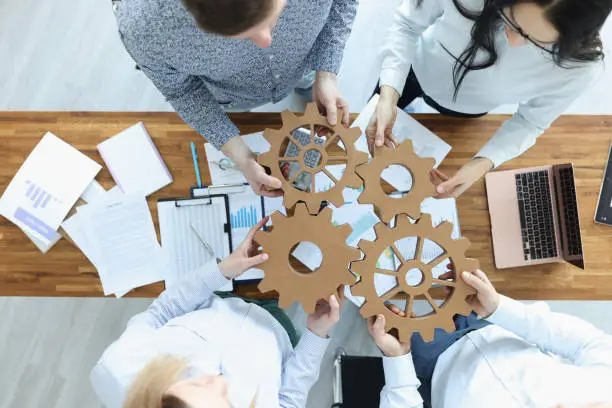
478, 284
256, 260
370, 324
334, 308
440, 175
270, 193
389, 144
482, 276
380, 134
256, 228
331, 113
396, 310
393, 139
447, 275
448, 187
340, 294
346, 112
379, 326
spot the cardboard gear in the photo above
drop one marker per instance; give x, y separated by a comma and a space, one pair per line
274, 157
419, 168
306, 288
441, 316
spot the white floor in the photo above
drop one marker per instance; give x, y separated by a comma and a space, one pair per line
66, 55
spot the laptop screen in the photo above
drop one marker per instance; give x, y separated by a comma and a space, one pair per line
604, 207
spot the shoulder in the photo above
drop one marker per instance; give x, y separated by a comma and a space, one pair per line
151, 18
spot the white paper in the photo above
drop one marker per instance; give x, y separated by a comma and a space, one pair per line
123, 243
425, 143
93, 192
134, 162
221, 167
46, 187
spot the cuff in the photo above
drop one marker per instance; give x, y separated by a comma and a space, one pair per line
328, 60
313, 345
508, 312
393, 78
399, 372
496, 155
212, 276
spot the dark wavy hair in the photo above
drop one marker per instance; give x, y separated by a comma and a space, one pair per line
577, 21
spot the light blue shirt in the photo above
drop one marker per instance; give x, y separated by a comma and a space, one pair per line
241, 341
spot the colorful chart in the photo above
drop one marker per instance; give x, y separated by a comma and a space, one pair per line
244, 217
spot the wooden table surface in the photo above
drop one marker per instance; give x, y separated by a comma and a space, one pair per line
64, 271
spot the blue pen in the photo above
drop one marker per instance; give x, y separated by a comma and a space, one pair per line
196, 165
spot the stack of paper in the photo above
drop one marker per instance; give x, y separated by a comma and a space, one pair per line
117, 235
45, 188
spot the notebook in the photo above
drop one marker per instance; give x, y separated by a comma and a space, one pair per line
134, 162
182, 246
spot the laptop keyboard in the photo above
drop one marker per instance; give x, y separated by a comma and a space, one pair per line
536, 213
570, 213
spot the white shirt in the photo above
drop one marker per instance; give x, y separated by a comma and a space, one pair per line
516, 362
522, 75
242, 341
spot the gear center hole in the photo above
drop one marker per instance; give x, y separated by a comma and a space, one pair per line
396, 178
305, 257
415, 277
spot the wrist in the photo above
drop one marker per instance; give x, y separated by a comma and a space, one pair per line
325, 75
389, 95
322, 333
396, 353
485, 162
237, 151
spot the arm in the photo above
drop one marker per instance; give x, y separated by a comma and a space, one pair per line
533, 117
328, 49
410, 23
301, 370
401, 383
566, 336
187, 94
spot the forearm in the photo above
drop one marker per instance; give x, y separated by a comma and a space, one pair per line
192, 292
563, 335
301, 370
237, 151
328, 49
401, 384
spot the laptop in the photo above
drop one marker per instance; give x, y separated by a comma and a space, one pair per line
604, 204
534, 216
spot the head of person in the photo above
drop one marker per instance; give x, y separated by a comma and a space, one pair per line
252, 20
163, 384
565, 30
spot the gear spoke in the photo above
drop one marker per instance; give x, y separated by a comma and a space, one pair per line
418, 252
288, 159
328, 174
295, 141
398, 254
312, 134
312, 183
385, 272
444, 283
432, 302
330, 140
438, 260
295, 176
390, 293
409, 305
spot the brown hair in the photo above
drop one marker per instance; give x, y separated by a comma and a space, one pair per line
149, 388
228, 17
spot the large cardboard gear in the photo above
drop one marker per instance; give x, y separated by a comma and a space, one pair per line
441, 316
292, 285
274, 157
419, 168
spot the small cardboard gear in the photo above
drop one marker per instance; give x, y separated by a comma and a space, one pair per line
287, 232
273, 158
441, 316
419, 168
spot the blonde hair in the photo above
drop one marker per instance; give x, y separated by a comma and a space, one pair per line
148, 390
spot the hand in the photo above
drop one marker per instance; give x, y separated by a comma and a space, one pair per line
486, 299
262, 183
326, 94
245, 257
460, 182
380, 129
326, 315
386, 342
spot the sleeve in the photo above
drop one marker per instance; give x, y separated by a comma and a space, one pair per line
187, 94
398, 54
301, 370
533, 117
566, 336
328, 48
401, 384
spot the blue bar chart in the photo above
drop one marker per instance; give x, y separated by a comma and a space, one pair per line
245, 217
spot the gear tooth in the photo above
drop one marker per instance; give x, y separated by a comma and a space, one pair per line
414, 210
405, 145
336, 198
368, 309
427, 335
277, 218
265, 286
355, 254
352, 180
472, 264
311, 109
365, 197
301, 210
446, 228
462, 244
344, 230
261, 237
448, 326
361, 157
288, 116
464, 308
380, 229
313, 207
352, 134
402, 221
309, 307
385, 216
269, 135
289, 202
430, 162
326, 214
425, 220
358, 289
265, 158
284, 302
365, 246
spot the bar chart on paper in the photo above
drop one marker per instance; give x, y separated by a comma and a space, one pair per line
40, 198
244, 217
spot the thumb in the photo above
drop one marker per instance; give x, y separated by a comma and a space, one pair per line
334, 307
269, 181
332, 113
448, 186
380, 133
474, 282
256, 260
379, 326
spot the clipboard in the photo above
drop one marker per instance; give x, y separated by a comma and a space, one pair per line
184, 222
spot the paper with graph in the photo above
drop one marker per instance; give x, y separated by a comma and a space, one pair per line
181, 244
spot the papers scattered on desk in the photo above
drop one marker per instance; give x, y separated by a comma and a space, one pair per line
117, 235
134, 162
222, 170
45, 188
425, 143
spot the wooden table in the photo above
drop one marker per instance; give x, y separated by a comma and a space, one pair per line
65, 271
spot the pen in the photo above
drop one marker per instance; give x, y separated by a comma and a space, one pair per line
205, 244
196, 165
